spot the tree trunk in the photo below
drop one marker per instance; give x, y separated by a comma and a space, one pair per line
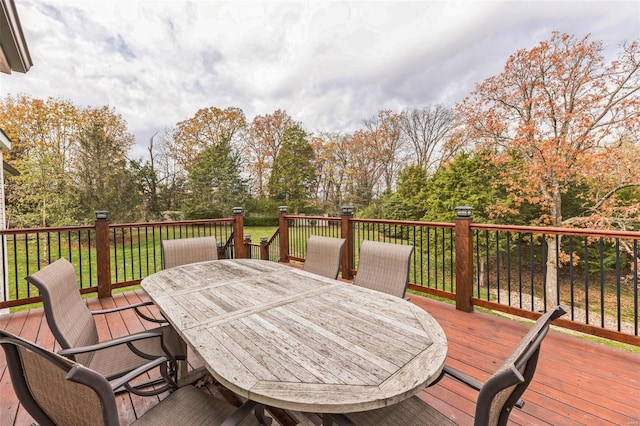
551, 281
553, 244
482, 273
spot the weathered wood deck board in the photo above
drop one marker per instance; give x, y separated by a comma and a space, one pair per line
577, 382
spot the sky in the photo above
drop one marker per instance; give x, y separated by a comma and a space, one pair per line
328, 64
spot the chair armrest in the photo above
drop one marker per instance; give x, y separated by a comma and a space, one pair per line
115, 342
124, 380
460, 376
136, 307
120, 308
470, 381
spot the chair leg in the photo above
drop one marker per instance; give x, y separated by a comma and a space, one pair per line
262, 419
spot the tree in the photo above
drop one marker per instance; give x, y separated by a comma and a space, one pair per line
215, 183
556, 117
206, 148
386, 144
263, 144
429, 131
363, 169
207, 127
100, 167
468, 180
412, 188
148, 183
293, 170
43, 133
331, 161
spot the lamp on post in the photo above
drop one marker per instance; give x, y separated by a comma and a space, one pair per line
237, 211
463, 212
283, 209
102, 214
347, 210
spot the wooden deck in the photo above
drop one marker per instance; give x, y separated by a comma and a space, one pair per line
577, 382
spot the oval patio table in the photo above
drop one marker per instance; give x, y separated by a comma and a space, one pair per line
287, 338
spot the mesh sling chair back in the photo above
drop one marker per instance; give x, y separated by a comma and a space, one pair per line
182, 252
384, 267
496, 397
323, 256
58, 391
188, 250
74, 327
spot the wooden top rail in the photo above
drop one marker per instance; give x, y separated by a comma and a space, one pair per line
23, 231
173, 223
407, 223
327, 218
579, 232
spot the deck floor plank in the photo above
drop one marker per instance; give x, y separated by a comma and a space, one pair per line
578, 382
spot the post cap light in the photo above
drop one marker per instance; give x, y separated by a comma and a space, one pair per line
463, 212
283, 209
237, 211
264, 239
102, 214
247, 237
347, 210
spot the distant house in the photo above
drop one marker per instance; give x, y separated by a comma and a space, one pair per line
14, 56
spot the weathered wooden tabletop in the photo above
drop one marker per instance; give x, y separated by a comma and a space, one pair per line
290, 339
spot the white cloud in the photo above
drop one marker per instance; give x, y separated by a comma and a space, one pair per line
329, 64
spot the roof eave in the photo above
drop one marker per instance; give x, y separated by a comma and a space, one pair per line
15, 53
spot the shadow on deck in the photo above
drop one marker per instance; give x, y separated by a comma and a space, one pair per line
577, 381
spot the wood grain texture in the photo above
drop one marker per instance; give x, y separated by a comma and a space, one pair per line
306, 343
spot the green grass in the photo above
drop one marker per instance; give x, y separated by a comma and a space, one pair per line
257, 231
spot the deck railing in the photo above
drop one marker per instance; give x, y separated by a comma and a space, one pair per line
106, 256
517, 270
593, 273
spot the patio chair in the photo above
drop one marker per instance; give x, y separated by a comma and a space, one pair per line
74, 327
496, 396
384, 267
323, 256
188, 250
58, 391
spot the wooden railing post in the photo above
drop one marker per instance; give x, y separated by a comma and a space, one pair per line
264, 248
247, 246
464, 259
103, 253
238, 233
346, 230
283, 225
